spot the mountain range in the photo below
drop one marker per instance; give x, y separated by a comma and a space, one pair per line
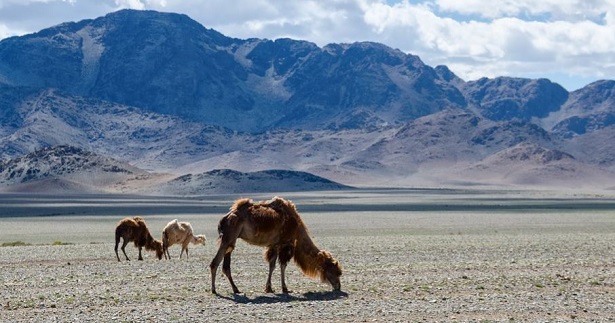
170, 99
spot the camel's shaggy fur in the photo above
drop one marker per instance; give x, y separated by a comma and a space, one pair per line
277, 226
134, 229
179, 232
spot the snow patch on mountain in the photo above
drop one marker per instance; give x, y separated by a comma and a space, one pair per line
92, 49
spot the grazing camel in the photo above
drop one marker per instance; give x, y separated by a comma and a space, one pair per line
277, 226
134, 229
179, 232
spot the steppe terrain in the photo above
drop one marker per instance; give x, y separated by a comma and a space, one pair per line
407, 255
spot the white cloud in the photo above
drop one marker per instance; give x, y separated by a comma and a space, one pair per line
505, 45
138, 4
4, 3
319, 21
552, 9
130, 4
4, 32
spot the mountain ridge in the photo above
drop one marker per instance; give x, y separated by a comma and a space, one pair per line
165, 94
169, 64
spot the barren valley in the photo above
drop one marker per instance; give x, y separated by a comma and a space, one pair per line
407, 255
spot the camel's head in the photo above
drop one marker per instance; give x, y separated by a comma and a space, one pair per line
200, 239
332, 270
158, 248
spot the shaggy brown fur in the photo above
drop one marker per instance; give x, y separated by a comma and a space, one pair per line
179, 232
134, 229
277, 226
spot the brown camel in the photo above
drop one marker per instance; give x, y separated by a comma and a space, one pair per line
134, 229
277, 226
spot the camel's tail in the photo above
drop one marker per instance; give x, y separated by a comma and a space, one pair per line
117, 237
224, 224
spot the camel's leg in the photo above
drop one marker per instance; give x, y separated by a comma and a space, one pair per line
168, 253
165, 245
140, 256
228, 237
165, 250
184, 247
117, 242
124, 249
271, 255
213, 266
282, 269
286, 254
226, 269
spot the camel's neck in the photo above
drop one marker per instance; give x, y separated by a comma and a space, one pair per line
150, 243
306, 255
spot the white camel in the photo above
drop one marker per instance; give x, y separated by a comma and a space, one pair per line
179, 232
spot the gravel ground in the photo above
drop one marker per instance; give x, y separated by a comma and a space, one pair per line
398, 267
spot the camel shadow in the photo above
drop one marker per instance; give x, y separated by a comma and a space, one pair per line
285, 298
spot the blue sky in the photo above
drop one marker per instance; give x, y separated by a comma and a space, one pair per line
571, 42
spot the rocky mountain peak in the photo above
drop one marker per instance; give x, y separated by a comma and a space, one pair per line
506, 98
168, 63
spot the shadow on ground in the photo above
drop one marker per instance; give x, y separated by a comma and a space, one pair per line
284, 298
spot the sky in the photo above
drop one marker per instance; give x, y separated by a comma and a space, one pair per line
570, 42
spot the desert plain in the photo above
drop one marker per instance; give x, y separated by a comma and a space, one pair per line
408, 255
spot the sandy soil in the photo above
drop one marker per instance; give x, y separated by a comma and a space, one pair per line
434, 257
